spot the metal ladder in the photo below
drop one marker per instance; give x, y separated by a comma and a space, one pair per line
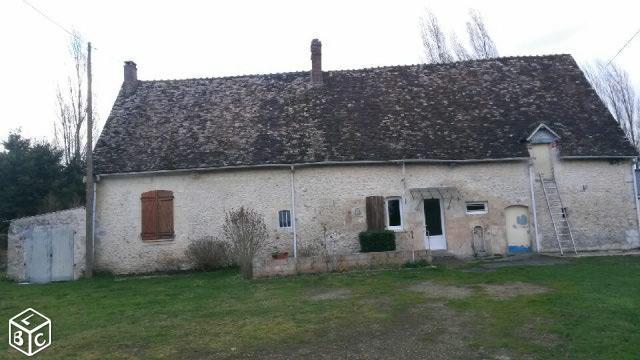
559, 217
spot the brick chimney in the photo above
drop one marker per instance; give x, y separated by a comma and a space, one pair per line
316, 62
130, 77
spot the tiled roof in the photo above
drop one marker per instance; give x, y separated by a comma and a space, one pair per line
482, 109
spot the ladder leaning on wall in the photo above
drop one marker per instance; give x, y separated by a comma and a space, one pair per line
559, 216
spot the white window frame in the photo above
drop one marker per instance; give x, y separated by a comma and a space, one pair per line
476, 212
290, 220
386, 213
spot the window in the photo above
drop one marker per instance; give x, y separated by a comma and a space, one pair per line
477, 207
284, 218
157, 215
394, 213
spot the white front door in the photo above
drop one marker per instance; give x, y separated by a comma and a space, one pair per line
434, 236
517, 221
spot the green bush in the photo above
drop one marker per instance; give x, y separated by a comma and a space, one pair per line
377, 240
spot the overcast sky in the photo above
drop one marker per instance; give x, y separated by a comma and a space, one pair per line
184, 39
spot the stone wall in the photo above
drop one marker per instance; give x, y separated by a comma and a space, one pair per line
600, 204
200, 202
20, 229
267, 267
330, 208
330, 202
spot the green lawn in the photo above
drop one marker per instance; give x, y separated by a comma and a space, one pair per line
591, 310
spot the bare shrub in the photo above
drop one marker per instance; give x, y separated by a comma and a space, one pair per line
246, 231
209, 253
313, 247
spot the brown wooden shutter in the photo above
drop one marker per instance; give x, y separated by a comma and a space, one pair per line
149, 215
165, 214
375, 212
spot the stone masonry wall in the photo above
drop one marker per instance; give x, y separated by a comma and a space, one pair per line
600, 203
21, 228
330, 202
330, 208
200, 202
267, 267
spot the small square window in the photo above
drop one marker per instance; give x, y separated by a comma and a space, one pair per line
284, 218
394, 213
476, 207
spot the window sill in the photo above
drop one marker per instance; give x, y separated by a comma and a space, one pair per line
397, 230
159, 241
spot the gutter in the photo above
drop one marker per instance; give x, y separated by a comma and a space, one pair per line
534, 207
598, 157
313, 164
293, 213
93, 222
635, 192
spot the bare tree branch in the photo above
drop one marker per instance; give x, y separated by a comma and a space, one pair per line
434, 40
440, 48
482, 45
71, 120
613, 85
460, 51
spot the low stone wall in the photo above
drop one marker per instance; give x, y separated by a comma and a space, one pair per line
20, 230
268, 267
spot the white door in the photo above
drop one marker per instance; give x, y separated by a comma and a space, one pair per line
517, 226
434, 236
39, 255
62, 253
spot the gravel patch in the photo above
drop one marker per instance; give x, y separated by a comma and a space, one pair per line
434, 290
330, 294
511, 290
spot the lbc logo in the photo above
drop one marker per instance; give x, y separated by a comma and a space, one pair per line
29, 332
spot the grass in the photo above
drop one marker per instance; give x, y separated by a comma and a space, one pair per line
591, 312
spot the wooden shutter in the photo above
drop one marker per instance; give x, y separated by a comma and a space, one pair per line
149, 215
157, 215
165, 214
375, 212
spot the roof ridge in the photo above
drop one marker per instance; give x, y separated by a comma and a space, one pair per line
381, 67
456, 62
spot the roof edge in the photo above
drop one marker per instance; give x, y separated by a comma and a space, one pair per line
311, 164
596, 157
302, 72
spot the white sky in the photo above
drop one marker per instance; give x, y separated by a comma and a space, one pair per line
184, 39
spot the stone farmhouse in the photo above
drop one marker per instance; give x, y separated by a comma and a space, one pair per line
468, 158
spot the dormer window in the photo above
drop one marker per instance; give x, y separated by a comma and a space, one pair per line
542, 135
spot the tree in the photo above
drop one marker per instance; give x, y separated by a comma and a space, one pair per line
33, 179
442, 48
28, 172
613, 85
70, 124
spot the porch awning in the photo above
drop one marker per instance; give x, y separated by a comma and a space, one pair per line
439, 192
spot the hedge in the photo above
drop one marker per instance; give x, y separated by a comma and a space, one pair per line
377, 240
